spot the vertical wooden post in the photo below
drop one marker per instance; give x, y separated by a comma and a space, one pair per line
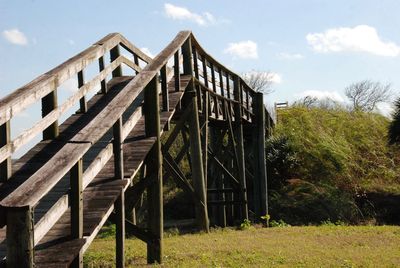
76, 177
120, 202
20, 240
196, 160
154, 168
114, 54
238, 131
103, 82
82, 101
5, 138
164, 88
177, 75
49, 103
136, 61
205, 134
260, 174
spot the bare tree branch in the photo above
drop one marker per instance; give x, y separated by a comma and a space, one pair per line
366, 94
260, 81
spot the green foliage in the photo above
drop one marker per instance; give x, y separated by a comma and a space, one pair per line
394, 128
282, 161
279, 223
246, 224
266, 219
341, 148
322, 160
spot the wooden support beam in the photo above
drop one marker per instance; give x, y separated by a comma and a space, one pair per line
238, 132
76, 200
5, 139
177, 174
164, 88
177, 72
49, 103
260, 174
136, 61
216, 143
204, 130
154, 169
114, 54
187, 57
103, 82
120, 202
82, 101
197, 163
20, 249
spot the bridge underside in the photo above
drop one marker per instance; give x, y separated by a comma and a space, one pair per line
197, 124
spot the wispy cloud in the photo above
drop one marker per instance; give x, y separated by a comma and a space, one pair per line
321, 94
15, 36
362, 38
244, 49
182, 13
290, 56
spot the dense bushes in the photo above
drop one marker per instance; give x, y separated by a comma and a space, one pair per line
321, 160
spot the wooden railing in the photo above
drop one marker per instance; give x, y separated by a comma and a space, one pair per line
229, 95
44, 89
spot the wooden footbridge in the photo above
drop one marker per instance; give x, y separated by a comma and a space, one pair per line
115, 151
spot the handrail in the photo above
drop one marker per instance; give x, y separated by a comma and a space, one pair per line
51, 80
26, 195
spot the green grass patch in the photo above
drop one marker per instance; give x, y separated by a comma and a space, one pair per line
322, 246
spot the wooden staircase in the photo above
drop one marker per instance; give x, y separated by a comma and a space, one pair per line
57, 196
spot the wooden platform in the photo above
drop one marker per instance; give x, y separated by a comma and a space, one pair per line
54, 248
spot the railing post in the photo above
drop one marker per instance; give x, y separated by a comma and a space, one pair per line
82, 101
154, 168
49, 103
164, 88
177, 74
20, 243
187, 57
103, 82
120, 202
76, 200
240, 148
114, 54
260, 174
199, 183
5, 138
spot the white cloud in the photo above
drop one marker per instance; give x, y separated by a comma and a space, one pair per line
385, 109
362, 38
182, 13
147, 51
15, 36
290, 56
244, 50
319, 94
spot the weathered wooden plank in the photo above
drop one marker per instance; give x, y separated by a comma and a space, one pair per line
44, 84
50, 218
154, 164
5, 164
46, 177
49, 104
20, 237
29, 134
76, 207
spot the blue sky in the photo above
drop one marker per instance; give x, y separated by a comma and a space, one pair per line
315, 47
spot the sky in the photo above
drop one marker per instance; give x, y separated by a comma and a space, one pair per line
313, 47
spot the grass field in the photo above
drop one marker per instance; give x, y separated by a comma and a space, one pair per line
322, 246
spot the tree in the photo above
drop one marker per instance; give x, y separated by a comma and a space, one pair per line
394, 127
366, 94
260, 81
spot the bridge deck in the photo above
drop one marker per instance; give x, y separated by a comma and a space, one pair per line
100, 194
